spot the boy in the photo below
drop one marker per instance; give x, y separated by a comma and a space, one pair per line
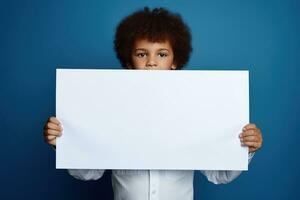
154, 39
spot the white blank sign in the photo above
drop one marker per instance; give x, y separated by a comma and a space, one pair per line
152, 119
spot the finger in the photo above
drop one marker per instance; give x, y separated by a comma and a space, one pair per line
53, 126
53, 132
249, 126
251, 149
52, 142
251, 144
250, 139
50, 137
54, 120
248, 133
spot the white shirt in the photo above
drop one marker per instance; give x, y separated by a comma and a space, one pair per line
155, 184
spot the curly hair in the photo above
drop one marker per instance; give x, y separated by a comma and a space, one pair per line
157, 25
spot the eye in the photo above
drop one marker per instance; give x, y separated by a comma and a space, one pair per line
163, 55
141, 55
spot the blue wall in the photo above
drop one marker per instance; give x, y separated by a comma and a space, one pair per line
37, 36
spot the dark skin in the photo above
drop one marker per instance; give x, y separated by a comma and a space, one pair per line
251, 136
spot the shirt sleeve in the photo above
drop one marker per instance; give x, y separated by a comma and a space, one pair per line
85, 174
223, 176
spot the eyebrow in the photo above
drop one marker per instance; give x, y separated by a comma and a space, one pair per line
141, 49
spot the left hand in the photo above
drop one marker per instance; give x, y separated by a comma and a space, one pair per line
251, 137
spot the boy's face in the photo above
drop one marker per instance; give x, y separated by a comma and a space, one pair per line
152, 55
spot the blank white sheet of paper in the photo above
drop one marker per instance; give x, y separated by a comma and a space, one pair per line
152, 119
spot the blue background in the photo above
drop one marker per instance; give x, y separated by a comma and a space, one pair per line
37, 36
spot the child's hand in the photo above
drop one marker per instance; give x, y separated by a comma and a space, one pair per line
251, 137
52, 129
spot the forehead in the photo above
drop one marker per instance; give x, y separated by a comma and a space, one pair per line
147, 44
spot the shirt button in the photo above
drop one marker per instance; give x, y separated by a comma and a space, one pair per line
153, 192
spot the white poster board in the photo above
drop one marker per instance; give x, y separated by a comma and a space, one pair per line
152, 119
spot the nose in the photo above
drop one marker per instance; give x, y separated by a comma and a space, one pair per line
151, 62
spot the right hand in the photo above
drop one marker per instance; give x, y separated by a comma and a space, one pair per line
52, 130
